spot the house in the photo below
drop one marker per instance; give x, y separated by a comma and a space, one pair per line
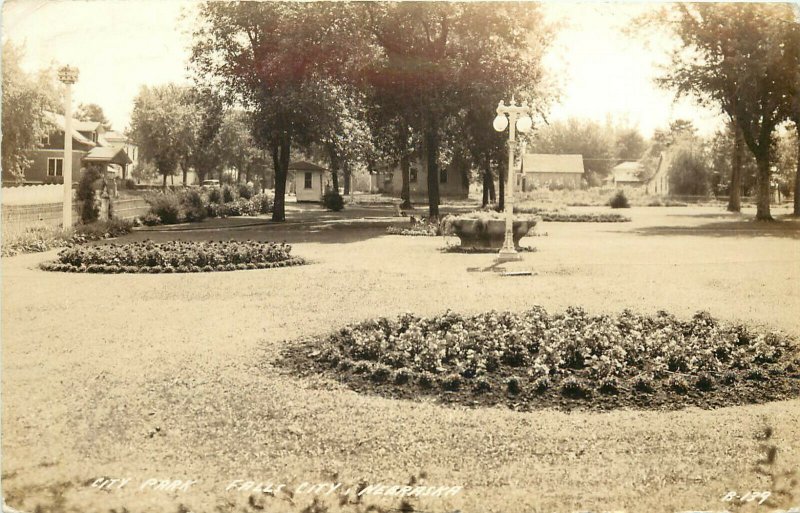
658, 183
550, 171
119, 140
89, 148
309, 180
388, 179
626, 174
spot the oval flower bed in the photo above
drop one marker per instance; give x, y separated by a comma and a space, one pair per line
568, 360
173, 257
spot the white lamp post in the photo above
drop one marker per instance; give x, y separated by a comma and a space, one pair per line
67, 75
515, 117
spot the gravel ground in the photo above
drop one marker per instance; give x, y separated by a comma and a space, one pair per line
173, 376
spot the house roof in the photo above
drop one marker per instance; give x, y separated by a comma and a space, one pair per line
59, 121
108, 154
304, 165
552, 163
627, 172
114, 136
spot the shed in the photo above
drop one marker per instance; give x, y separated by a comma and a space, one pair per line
309, 180
551, 170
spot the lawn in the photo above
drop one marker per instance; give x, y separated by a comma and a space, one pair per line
175, 377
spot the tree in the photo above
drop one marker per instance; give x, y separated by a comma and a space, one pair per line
26, 99
92, 112
689, 173
267, 57
237, 147
736, 56
161, 127
581, 137
204, 114
435, 56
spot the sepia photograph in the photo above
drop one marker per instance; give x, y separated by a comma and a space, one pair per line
400, 257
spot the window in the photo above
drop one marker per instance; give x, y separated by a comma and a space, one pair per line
443, 176
46, 140
412, 175
55, 167
307, 183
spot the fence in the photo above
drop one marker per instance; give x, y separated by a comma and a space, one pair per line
41, 205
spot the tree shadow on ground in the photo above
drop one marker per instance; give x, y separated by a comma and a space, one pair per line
786, 227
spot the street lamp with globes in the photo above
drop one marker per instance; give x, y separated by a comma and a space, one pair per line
514, 117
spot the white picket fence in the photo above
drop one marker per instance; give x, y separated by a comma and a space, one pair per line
32, 195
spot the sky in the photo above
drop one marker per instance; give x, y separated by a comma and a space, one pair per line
120, 45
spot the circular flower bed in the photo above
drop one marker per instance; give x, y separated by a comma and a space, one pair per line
173, 257
568, 360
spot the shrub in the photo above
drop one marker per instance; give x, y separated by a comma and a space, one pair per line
513, 385
451, 383
262, 203
227, 194
705, 382
129, 183
245, 191
572, 387
332, 200
644, 383
482, 385
402, 376
194, 208
380, 373
214, 196
541, 384
609, 385
166, 205
150, 219
678, 384
86, 194
619, 200
169, 256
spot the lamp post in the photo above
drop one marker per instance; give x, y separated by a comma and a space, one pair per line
68, 76
515, 117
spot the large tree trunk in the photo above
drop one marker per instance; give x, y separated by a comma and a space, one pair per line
280, 159
347, 178
432, 154
797, 174
165, 181
735, 192
763, 188
405, 165
185, 172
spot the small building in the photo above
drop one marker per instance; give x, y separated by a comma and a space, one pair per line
388, 179
626, 174
309, 180
551, 171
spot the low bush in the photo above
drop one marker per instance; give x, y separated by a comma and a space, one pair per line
129, 184
90, 210
175, 256
619, 200
165, 205
214, 196
194, 208
227, 194
245, 191
332, 200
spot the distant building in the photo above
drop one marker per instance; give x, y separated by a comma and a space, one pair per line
388, 179
658, 182
626, 174
545, 170
89, 148
308, 180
